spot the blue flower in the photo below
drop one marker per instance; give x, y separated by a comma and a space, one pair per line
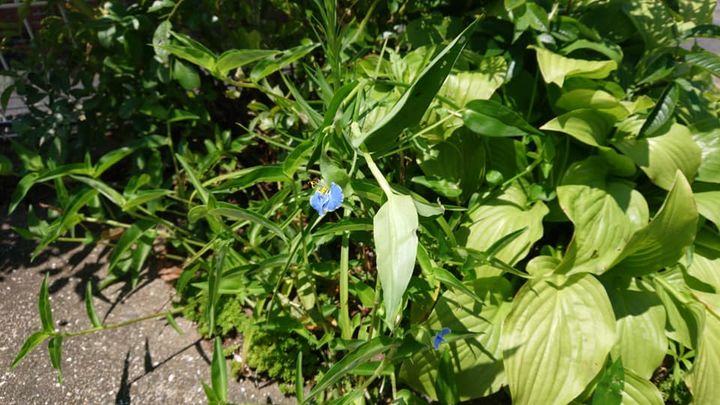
327, 199
439, 337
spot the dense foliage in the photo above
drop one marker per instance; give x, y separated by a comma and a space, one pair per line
406, 200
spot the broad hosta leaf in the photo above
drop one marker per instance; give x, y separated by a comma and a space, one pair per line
660, 156
705, 374
502, 215
490, 118
410, 108
706, 270
556, 338
394, 227
685, 316
588, 126
639, 391
662, 241
480, 85
556, 68
476, 358
662, 113
592, 99
709, 143
640, 328
605, 213
708, 205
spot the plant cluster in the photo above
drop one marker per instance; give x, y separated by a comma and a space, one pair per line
417, 201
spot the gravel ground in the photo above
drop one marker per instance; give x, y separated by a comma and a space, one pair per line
146, 363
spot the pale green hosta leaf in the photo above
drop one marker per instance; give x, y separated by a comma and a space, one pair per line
394, 227
556, 338
605, 213
639, 391
708, 205
640, 328
661, 156
480, 85
709, 143
685, 316
662, 242
476, 359
502, 215
556, 68
592, 99
704, 376
589, 126
706, 270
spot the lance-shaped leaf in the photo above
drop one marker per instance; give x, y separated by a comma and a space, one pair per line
556, 338
128, 239
705, 60
396, 242
273, 63
662, 113
29, 345
89, 307
55, 352
661, 242
661, 156
490, 118
44, 307
556, 68
219, 371
410, 108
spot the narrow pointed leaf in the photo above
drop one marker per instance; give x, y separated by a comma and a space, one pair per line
29, 345
662, 113
219, 371
89, 307
490, 118
44, 307
55, 351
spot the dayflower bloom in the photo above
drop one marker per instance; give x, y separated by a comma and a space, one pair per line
439, 337
326, 199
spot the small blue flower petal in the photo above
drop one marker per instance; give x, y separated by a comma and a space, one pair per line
439, 337
319, 202
335, 198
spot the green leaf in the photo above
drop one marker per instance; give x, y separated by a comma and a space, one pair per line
490, 118
295, 159
610, 387
662, 113
640, 328
273, 63
708, 205
502, 215
6, 166
237, 58
192, 51
474, 341
605, 212
192, 176
219, 371
592, 99
128, 239
365, 352
661, 156
161, 36
589, 126
299, 383
639, 391
705, 60
464, 87
662, 241
556, 68
44, 307
410, 108
685, 316
171, 321
89, 307
236, 214
709, 143
248, 177
31, 179
109, 192
29, 345
186, 75
705, 373
55, 351
706, 270
556, 338
215, 276
345, 225
445, 383
394, 228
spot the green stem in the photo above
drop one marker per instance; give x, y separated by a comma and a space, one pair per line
345, 327
120, 324
384, 185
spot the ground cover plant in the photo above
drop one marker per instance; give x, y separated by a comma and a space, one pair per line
416, 201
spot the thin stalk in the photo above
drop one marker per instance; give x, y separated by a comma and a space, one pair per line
345, 327
384, 185
120, 324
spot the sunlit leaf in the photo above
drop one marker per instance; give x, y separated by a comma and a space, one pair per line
556, 68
